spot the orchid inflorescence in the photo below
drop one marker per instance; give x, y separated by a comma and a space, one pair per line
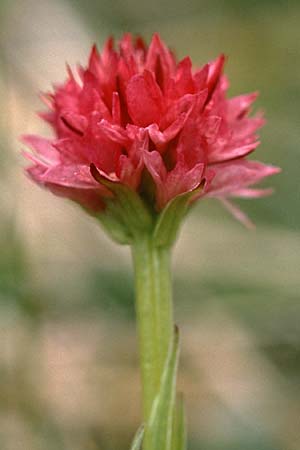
136, 117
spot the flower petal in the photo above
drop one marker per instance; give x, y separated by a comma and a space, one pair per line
177, 181
129, 168
160, 138
184, 83
214, 73
156, 167
237, 213
73, 175
224, 155
144, 99
160, 61
239, 106
232, 176
90, 199
43, 147
252, 193
114, 132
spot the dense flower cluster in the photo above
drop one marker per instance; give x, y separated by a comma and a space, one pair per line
144, 120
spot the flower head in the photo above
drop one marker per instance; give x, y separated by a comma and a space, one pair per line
136, 117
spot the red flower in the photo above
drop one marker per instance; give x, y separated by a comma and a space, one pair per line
144, 120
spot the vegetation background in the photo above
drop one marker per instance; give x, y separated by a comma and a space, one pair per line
68, 353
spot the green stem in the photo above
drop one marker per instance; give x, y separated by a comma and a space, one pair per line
154, 313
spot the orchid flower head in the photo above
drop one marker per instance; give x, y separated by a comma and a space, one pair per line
138, 119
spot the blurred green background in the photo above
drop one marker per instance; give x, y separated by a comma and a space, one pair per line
68, 354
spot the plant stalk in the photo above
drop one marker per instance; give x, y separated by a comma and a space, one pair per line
154, 313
